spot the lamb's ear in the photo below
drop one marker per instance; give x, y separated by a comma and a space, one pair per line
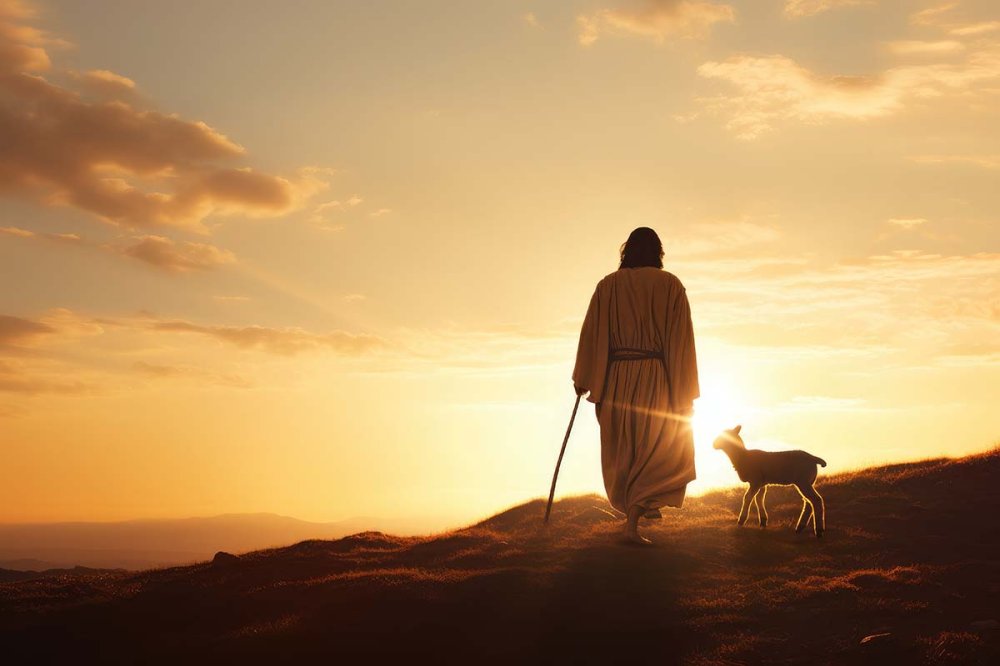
737, 429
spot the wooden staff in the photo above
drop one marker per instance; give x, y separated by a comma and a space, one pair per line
562, 451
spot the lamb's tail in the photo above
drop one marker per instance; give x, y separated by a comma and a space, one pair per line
819, 461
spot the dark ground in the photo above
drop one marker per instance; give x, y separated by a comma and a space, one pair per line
912, 551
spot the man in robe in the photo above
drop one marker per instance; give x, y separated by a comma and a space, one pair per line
636, 357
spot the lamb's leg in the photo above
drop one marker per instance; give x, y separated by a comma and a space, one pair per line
807, 512
819, 509
747, 499
759, 501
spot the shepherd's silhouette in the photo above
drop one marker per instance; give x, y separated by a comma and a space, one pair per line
636, 357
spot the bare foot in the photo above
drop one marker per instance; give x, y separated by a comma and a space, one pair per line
653, 514
637, 539
631, 526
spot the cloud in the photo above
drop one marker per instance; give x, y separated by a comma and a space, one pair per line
162, 371
380, 212
157, 251
982, 161
106, 83
655, 19
170, 256
16, 331
73, 239
498, 350
971, 29
530, 19
14, 379
822, 403
775, 88
128, 165
284, 341
714, 239
46, 354
917, 47
939, 16
338, 205
22, 47
68, 324
797, 8
56, 324
354, 298
907, 222
320, 214
26, 365
969, 360
932, 15
903, 302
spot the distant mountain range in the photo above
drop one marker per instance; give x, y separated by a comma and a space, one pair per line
144, 544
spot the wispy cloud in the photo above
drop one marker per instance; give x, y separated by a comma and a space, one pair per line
15, 379
932, 15
72, 239
105, 83
336, 204
907, 222
27, 364
904, 299
16, 330
720, 239
501, 349
168, 255
157, 251
972, 29
188, 372
822, 403
798, 8
39, 354
284, 341
324, 214
920, 47
982, 161
942, 16
655, 19
775, 88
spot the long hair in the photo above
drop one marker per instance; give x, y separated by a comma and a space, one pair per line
643, 248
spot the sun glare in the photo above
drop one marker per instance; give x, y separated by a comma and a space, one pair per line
719, 407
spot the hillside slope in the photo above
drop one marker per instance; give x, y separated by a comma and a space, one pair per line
910, 556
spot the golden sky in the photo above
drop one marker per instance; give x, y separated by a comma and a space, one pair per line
330, 259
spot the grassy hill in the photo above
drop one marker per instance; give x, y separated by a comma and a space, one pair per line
911, 559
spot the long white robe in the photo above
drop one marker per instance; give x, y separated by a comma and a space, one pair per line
643, 405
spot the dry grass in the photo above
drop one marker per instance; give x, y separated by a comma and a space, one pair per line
910, 552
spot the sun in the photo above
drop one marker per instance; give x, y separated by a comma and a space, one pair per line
720, 406
717, 409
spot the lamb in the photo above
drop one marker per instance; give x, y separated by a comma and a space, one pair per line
781, 468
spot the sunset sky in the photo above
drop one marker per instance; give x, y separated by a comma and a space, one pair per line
330, 259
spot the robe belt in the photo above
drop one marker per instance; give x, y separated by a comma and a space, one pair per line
629, 354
